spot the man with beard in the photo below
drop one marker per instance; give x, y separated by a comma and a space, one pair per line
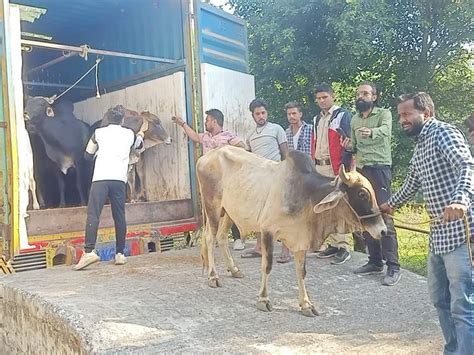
269, 141
443, 168
214, 137
371, 132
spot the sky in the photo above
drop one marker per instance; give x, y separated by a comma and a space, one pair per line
220, 2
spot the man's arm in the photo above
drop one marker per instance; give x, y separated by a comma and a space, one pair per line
282, 142
91, 148
407, 191
188, 130
284, 150
139, 142
385, 128
236, 141
346, 140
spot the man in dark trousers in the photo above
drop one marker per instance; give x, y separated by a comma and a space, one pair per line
111, 145
371, 131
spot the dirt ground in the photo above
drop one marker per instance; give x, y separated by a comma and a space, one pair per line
161, 303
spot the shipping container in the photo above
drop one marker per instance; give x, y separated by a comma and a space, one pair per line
169, 57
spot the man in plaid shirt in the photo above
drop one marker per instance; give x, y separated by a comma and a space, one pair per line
298, 135
443, 167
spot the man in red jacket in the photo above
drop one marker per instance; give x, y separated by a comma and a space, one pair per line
331, 127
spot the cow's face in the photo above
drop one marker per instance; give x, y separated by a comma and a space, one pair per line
358, 196
155, 133
38, 106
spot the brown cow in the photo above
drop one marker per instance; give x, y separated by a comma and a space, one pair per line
287, 201
155, 134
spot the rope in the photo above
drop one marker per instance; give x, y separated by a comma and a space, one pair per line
431, 220
97, 93
439, 218
97, 61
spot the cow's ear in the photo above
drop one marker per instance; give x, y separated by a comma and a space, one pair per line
49, 112
329, 202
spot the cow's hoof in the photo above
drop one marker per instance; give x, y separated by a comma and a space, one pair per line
264, 306
237, 274
310, 311
214, 283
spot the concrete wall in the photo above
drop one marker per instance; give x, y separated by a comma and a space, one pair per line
29, 325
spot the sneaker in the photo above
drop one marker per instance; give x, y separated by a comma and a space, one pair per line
369, 269
392, 277
86, 260
328, 253
120, 259
341, 257
239, 244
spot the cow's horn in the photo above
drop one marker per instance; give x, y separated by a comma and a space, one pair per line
345, 178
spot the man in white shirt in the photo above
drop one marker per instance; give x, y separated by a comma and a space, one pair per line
111, 145
269, 141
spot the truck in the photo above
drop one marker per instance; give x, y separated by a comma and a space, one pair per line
170, 57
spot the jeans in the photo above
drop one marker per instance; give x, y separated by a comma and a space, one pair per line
235, 232
380, 176
116, 192
450, 284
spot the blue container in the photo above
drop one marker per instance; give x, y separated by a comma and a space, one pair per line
223, 39
145, 27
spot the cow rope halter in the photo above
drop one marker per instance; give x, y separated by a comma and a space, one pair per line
96, 67
359, 217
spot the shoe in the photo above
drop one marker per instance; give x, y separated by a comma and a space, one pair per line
251, 254
341, 257
369, 269
120, 259
328, 253
283, 259
239, 244
86, 260
392, 277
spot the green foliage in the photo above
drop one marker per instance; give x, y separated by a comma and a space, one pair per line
402, 45
412, 246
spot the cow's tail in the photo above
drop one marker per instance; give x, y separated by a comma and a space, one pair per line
204, 250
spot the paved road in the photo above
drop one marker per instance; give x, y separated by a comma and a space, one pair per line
161, 303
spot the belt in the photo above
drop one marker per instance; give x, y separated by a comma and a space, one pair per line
322, 162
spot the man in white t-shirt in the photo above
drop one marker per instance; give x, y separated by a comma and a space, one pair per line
111, 145
269, 141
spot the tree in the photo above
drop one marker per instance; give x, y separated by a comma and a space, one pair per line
402, 45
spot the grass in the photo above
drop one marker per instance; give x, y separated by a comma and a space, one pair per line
413, 246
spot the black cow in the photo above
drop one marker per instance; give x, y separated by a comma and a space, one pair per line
64, 138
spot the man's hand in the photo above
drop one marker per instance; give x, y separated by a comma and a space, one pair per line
178, 120
365, 132
385, 208
453, 212
346, 143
